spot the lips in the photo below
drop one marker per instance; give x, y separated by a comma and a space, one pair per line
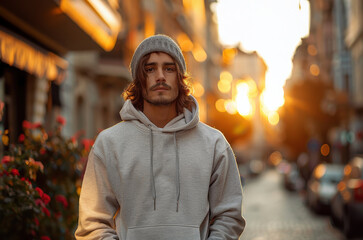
160, 89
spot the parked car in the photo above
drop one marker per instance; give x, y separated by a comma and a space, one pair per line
321, 186
291, 178
255, 167
347, 203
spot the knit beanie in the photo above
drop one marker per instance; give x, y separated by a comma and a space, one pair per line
157, 43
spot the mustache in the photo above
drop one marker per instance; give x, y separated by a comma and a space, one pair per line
157, 85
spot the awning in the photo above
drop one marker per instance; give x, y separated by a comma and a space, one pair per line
96, 18
64, 25
31, 59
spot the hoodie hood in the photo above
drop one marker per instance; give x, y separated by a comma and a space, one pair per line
186, 120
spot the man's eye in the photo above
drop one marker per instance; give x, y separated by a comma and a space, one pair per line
149, 69
170, 69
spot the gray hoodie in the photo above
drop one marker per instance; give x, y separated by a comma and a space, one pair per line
179, 182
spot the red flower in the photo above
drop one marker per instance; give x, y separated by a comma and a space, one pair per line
15, 172
4, 173
27, 124
62, 199
6, 159
45, 238
46, 211
38, 202
21, 138
45, 198
73, 140
61, 120
87, 143
37, 125
42, 151
40, 191
26, 180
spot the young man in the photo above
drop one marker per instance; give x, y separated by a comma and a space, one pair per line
160, 174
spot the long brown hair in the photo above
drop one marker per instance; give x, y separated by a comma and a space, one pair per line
135, 88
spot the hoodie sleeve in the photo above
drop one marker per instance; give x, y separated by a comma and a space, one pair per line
97, 203
225, 199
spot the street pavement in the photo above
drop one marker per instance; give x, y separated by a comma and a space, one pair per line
273, 213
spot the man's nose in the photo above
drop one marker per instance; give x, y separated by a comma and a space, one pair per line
160, 75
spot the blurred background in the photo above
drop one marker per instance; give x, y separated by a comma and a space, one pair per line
282, 79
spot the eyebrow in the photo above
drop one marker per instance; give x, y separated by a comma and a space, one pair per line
154, 63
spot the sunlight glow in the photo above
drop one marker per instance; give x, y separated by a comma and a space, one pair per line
107, 14
149, 25
230, 106
220, 105
228, 55
272, 28
198, 89
199, 54
244, 99
244, 106
225, 82
185, 43
273, 118
272, 99
226, 76
87, 15
224, 86
252, 87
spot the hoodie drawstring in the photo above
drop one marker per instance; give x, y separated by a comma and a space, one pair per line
177, 177
152, 180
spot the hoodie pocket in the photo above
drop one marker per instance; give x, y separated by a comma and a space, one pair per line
164, 232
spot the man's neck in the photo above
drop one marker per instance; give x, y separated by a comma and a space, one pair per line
159, 115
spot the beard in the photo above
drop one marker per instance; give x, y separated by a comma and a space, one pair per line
160, 101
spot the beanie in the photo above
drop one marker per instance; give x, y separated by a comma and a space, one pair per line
157, 43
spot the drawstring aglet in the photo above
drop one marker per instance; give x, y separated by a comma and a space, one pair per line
154, 205
177, 205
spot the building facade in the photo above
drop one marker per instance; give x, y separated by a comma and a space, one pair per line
332, 53
33, 48
354, 42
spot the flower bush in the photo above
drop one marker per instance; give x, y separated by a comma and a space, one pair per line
40, 180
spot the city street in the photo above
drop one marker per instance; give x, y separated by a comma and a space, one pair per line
91, 89
272, 213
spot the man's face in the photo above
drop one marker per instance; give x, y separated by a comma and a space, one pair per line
161, 81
